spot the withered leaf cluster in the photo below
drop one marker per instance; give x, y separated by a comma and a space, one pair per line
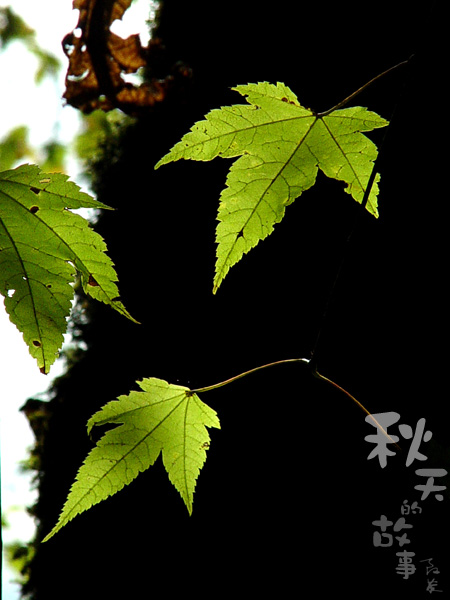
98, 60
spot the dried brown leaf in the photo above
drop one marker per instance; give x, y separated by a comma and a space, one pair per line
98, 59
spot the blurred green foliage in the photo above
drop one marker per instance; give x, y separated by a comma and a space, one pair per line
13, 28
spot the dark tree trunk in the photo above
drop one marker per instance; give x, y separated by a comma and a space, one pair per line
287, 497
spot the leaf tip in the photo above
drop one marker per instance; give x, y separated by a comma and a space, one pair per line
162, 161
55, 530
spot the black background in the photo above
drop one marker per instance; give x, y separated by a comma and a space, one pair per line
287, 497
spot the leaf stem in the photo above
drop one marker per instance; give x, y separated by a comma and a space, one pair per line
260, 368
314, 372
361, 89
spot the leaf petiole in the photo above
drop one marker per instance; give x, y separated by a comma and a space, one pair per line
236, 377
314, 372
362, 88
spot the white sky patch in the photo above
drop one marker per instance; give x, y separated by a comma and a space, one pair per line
134, 20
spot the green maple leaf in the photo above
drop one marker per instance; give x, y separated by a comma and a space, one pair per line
281, 146
42, 245
162, 418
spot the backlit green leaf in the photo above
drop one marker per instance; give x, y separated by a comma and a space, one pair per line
281, 146
42, 246
162, 418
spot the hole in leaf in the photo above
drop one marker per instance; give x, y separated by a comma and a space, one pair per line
35, 190
116, 299
76, 78
10, 293
69, 262
133, 78
37, 343
34, 209
92, 281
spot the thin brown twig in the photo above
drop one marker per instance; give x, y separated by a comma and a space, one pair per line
363, 408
